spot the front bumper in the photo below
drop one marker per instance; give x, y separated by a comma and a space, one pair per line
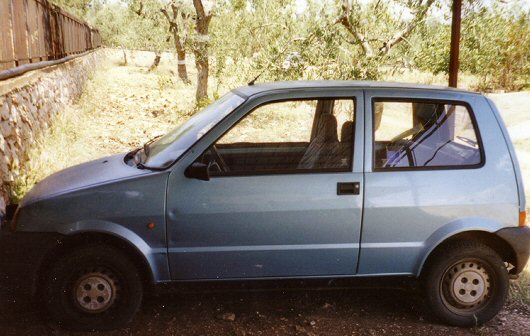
21, 256
519, 240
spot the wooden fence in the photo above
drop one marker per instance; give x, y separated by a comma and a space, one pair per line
36, 30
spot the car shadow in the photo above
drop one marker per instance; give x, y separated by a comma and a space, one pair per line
243, 312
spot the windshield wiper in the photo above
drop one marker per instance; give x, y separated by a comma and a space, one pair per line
146, 149
146, 145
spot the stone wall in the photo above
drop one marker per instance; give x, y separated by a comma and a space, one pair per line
28, 104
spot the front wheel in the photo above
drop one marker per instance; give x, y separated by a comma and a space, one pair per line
466, 283
94, 288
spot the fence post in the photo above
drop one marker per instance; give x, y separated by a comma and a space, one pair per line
19, 32
7, 53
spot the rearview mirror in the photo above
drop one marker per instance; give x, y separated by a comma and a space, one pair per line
198, 171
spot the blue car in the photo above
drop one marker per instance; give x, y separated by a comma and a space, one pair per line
286, 180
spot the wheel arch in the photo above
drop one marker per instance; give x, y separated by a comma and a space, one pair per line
490, 239
81, 239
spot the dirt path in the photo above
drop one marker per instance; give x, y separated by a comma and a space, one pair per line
344, 312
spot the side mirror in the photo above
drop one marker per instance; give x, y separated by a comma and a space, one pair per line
198, 171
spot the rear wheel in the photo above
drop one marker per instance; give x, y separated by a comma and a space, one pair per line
466, 283
93, 288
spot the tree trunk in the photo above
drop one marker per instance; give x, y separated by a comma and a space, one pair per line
156, 61
124, 56
181, 57
203, 68
179, 36
200, 50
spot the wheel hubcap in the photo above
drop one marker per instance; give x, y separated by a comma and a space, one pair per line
466, 286
96, 291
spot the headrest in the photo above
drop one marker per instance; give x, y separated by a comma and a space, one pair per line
427, 113
346, 132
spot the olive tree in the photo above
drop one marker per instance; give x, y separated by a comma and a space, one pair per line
179, 17
149, 28
200, 47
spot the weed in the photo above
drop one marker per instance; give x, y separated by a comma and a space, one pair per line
520, 288
164, 81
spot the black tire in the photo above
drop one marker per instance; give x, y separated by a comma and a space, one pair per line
466, 283
93, 288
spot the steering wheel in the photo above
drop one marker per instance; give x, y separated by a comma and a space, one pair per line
218, 159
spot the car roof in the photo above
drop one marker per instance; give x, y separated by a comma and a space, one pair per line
251, 90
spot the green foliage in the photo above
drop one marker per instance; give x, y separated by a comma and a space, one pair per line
148, 26
520, 289
495, 46
78, 8
201, 104
282, 42
164, 81
319, 39
499, 49
433, 53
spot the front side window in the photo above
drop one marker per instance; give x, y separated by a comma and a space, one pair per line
164, 151
424, 134
286, 137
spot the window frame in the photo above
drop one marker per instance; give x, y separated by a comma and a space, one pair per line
412, 100
347, 169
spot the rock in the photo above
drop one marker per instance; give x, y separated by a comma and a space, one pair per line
13, 114
5, 110
327, 306
15, 99
230, 317
304, 331
6, 129
2, 143
2, 205
300, 329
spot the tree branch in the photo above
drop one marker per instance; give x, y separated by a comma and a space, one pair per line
171, 22
421, 12
344, 19
139, 11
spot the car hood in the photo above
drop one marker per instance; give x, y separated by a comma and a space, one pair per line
93, 173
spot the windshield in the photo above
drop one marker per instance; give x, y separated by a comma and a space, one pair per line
164, 151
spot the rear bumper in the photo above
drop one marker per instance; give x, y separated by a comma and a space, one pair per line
519, 240
21, 256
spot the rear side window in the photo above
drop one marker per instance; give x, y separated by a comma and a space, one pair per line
415, 134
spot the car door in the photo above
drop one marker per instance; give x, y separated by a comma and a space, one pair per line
426, 163
282, 200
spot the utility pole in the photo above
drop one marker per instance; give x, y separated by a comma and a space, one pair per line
455, 43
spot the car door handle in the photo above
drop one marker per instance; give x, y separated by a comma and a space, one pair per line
348, 188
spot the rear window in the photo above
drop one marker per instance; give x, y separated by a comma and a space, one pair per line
414, 134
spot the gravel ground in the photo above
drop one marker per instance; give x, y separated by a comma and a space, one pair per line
337, 312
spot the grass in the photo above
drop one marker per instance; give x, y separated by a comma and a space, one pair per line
520, 289
121, 108
124, 106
